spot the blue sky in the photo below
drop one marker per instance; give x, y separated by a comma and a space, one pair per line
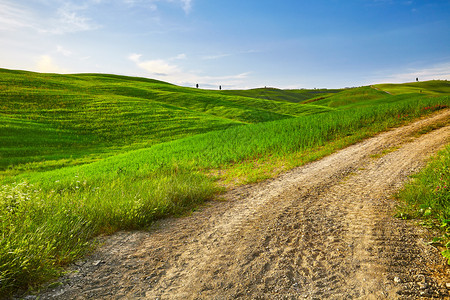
233, 43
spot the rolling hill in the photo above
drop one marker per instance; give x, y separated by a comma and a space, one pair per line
95, 115
86, 154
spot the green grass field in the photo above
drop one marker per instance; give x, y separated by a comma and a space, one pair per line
73, 119
295, 96
88, 154
433, 87
427, 198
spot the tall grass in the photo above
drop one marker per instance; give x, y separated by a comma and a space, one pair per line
48, 218
41, 230
427, 198
216, 149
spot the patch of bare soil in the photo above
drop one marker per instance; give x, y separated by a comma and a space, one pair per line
324, 230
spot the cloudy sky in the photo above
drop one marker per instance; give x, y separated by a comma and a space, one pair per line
233, 43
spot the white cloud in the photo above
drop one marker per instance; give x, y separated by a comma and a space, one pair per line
187, 6
65, 19
69, 20
14, 17
63, 51
73, 21
222, 55
217, 56
135, 57
163, 70
66, 16
438, 71
148, 4
179, 56
157, 67
46, 64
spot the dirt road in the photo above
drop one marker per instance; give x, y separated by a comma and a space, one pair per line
324, 230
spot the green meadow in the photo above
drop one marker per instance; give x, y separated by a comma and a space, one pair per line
89, 154
434, 87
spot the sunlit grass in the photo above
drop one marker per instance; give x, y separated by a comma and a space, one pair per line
42, 230
433, 87
427, 198
56, 213
55, 117
135, 154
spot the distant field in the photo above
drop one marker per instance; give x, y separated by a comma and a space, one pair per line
434, 87
295, 96
86, 154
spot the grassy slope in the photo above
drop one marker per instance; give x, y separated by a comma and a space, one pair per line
295, 96
433, 87
351, 97
246, 107
74, 119
51, 216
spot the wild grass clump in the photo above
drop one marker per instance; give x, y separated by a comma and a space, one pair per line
427, 198
42, 230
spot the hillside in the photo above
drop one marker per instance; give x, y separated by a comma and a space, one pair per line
295, 96
50, 120
95, 115
432, 87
